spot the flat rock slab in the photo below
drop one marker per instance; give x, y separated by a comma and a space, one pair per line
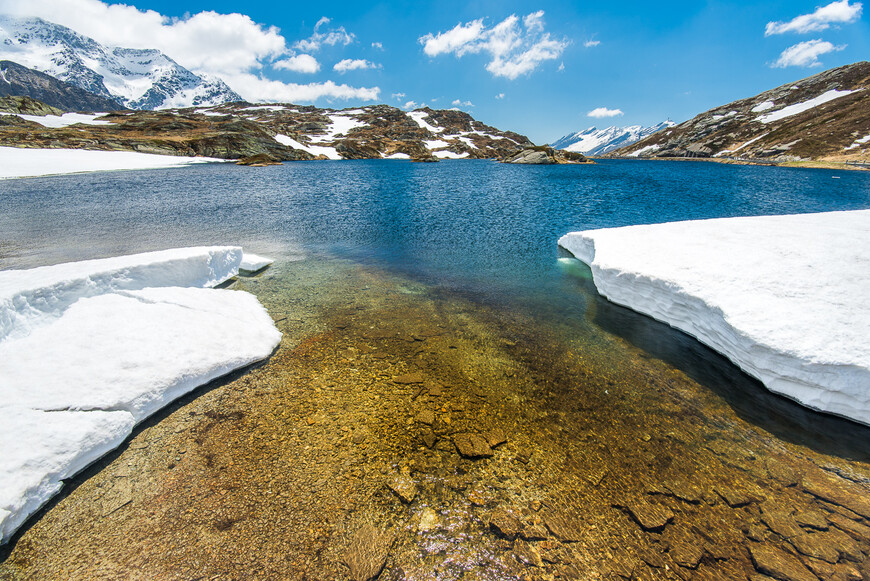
495, 437
472, 445
408, 378
367, 553
403, 487
562, 528
779, 564
651, 517
837, 490
504, 523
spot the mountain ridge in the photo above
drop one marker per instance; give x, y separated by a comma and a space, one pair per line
821, 118
136, 78
594, 141
17, 80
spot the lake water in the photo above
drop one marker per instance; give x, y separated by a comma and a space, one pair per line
447, 273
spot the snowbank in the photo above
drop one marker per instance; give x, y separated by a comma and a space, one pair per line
253, 262
89, 349
783, 297
19, 162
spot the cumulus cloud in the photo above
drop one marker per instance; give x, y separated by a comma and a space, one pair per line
515, 47
460, 103
377, 46
841, 12
345, 65
327, 36
602, 112
230, 46
410, 105
805, 54
302, 63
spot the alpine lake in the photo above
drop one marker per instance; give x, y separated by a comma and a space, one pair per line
451, 398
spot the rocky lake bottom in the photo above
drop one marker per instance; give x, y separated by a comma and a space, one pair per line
404, 430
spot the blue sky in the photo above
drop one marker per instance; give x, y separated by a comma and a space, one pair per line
650, 61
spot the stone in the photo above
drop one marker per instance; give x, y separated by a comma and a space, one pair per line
367, 553
735, 497
812, 519
435, 389
403, 487
780, 469
495, 437
527, 554
780, 521
562, 528
651, 517
429, 438
426, 417
855, 530
816, 546
838, 491
408, 379
428, 520
686, 554
472, 445
504, 523
779, 564
684, 490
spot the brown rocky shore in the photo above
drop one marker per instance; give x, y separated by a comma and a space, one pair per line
400, 432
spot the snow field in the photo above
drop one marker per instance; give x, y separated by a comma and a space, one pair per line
783, 297
89, 349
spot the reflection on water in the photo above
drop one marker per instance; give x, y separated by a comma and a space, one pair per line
449, 400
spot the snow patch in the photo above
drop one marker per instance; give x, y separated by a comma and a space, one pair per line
859, 142
419, 118
66, 119
643, 150
763, 107
805, 106
398, 156
253, 262
89, 349
329, 152
24, 162
447, 154
435, 144
783, 297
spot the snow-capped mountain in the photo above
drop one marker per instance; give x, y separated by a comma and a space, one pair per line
138, 78
594, 141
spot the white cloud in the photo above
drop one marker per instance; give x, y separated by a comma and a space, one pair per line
398, 96
230, 46
591, 43
821, 19
258, 89
561, 67
514, 49
410, 105
206, 42
602, 112
377, 46
302, 63
805, 54
459, 103
500, 96
345, 65
330, 37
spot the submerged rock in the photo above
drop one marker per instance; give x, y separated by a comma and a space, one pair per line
472, 445
367, 553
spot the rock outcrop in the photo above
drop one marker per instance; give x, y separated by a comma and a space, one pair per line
543, 155
825, 117
18, 80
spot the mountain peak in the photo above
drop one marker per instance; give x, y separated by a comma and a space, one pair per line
137, 78
595, 141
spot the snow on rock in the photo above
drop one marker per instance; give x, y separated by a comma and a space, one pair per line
783, 297
398, 156
419, 118
252, 262
763, 107
16, 162
859, 142
66, 119
447, 154
435, 143
88, 349
329, 152
645, 150
805, 106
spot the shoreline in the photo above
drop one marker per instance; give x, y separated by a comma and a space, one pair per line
811, 164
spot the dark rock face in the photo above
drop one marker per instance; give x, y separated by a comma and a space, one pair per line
543, 155
746, 129
16, 80
27, 106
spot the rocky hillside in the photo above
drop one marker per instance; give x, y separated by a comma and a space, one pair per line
281, 132
594, 141
137, 78
825, 117
16, 80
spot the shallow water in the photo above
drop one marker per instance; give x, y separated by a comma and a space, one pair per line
420, 302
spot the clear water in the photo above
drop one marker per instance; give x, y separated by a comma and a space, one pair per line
450, 270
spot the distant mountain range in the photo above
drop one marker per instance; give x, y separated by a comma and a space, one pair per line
594, 141
136, 78
825, 117
20, 81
